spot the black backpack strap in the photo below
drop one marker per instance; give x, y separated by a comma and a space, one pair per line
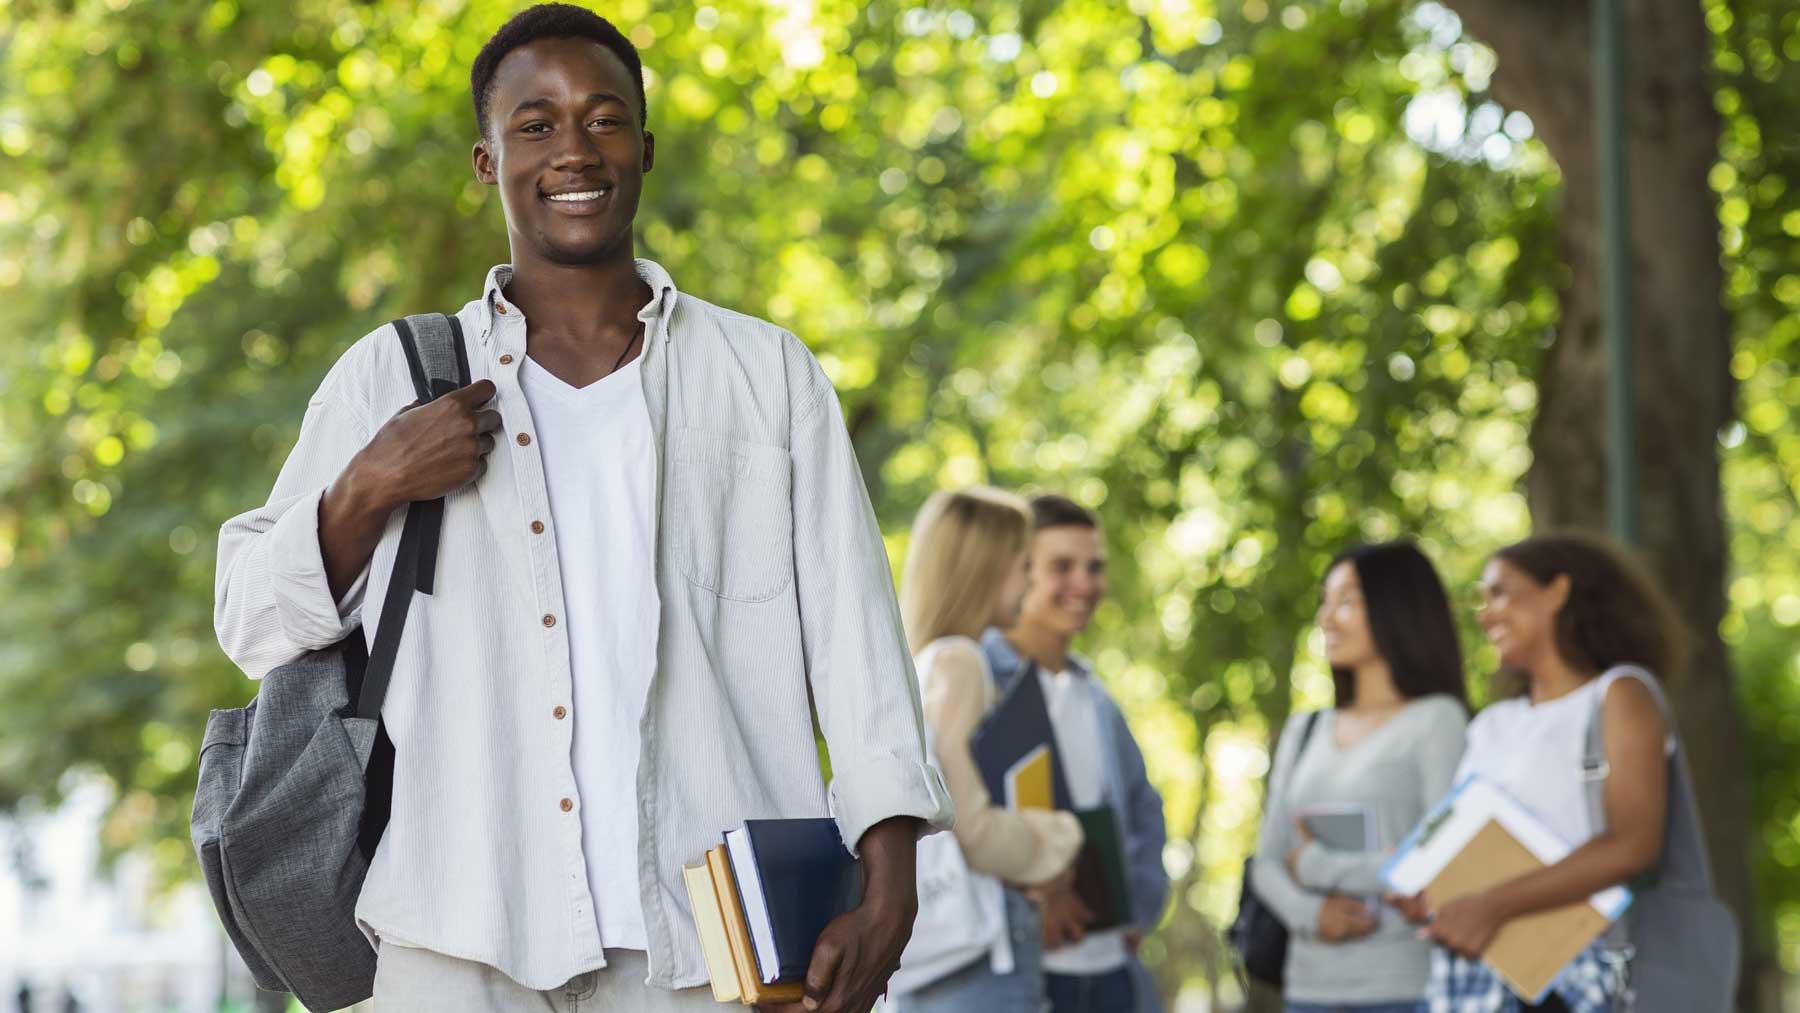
435, 353
439, 363
1306, 730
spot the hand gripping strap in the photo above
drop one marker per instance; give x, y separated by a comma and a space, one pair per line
439, 363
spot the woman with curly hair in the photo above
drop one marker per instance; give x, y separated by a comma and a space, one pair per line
1586, 629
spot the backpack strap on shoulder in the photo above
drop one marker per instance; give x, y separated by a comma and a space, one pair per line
1306, 732
435, 353
1595, 768
438, 361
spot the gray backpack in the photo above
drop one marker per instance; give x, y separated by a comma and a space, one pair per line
294, 788
1683, 942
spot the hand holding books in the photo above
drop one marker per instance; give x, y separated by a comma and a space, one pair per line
785, 915
1476, 838
859, 950
1346, 827
1064, 918
1467, 924
1343, 918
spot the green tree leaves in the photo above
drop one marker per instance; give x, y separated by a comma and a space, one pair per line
1254, 280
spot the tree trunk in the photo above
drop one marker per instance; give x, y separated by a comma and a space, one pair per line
1683, 342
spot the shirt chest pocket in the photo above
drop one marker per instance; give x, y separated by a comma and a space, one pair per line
733, 515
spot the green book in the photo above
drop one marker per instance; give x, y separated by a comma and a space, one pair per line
1100, 879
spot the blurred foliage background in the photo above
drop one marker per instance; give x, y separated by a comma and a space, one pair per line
1254, 280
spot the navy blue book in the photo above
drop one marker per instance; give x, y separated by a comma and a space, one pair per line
794, 877
1018, 726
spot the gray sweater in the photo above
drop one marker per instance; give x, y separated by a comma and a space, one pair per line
1400, 770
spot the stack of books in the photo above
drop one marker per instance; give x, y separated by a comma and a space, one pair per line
762, 898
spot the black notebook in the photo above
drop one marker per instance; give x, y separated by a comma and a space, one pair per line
794, 877
1018, 725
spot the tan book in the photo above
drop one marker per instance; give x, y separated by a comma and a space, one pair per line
709, 919
737, 934
1479, 837
1527, 952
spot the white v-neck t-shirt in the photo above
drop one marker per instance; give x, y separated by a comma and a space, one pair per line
600, 473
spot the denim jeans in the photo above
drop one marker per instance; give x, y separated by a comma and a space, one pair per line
1407, 1006
1110, 992
976, 988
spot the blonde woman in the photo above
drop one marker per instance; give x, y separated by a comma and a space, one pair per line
976, 946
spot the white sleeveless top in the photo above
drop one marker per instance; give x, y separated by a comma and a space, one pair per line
1535, 752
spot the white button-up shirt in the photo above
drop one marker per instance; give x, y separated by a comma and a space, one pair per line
774, 583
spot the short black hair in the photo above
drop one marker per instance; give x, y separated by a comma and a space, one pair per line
1409, 619
550, 21
1052, 511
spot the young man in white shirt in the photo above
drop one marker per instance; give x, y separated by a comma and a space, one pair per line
656, 549
1086, 972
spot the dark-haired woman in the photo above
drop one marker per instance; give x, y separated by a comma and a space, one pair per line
1586, 629
1389, 748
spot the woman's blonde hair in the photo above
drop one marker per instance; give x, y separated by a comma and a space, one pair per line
962, 545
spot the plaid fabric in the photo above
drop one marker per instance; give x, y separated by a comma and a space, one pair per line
1594, 982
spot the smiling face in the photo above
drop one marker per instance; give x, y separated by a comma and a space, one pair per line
568, 151
1344, 619
1068, 579
1519, 614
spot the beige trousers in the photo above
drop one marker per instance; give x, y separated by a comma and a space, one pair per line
409, 980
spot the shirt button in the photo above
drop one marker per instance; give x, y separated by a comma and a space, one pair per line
524, 439
505, 359
560, 713
549, 620
567, 805
499, 306
537, 527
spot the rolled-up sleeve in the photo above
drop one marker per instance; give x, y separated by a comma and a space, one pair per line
857, 661
271, 599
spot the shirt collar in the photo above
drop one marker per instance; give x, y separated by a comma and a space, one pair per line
1001, 650
663, 295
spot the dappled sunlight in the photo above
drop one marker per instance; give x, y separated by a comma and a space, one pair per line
1252, 280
